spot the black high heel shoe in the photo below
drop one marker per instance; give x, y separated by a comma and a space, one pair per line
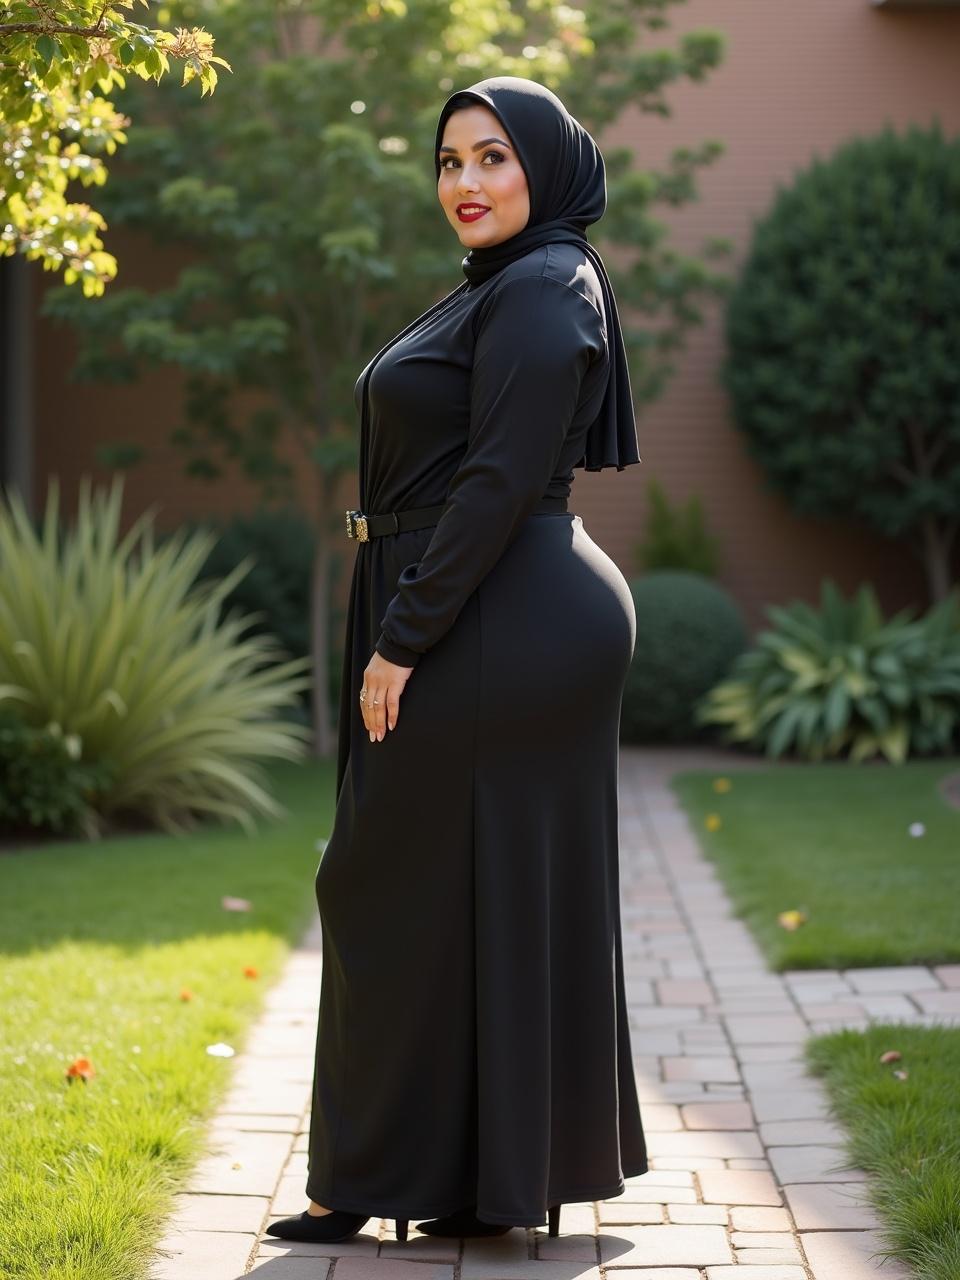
464, 1222
326, 1227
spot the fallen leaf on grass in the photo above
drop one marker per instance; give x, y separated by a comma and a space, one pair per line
80, 1069
791, 920
186, 993
892, 1055
722, 784
712, 822
251, 971
235, 904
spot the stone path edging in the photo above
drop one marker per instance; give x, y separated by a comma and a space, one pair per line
747, 1171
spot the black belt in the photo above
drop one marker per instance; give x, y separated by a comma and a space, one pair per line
363, 527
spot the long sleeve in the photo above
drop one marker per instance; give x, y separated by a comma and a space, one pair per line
536, 339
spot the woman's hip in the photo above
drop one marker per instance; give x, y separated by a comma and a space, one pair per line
556, 619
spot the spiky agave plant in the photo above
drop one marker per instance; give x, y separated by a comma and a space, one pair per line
841, 680
115, 642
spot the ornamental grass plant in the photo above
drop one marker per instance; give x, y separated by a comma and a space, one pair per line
116, 644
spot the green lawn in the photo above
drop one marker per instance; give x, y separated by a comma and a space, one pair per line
98, 941
905, 1133
833, 841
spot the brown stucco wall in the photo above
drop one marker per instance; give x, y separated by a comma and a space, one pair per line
799, 78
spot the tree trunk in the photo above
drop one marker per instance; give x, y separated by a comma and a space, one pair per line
324, 742
936, 557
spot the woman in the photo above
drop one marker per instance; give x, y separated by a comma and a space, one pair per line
473, 1055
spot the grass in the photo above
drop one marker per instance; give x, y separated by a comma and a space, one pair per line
833, 841
98, 940
905, 1133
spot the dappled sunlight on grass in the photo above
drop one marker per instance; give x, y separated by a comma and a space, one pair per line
99, 942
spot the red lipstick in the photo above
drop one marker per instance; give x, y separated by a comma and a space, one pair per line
476, 211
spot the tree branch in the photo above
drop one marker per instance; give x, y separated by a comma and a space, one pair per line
935, 454
284, 43
901, 473
311, 353
45, 29
921, 458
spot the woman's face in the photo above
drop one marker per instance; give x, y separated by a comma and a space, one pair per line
479, 167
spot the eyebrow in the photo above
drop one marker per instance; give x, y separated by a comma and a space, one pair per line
482, 143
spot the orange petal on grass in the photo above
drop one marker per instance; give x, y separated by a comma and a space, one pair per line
251, 971
892, 1055
80, 1069
722, 784
791, 920
186, 993
712, 821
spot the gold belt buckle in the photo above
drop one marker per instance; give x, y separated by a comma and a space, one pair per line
357, 525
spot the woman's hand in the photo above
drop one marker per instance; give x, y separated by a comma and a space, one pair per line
383, 683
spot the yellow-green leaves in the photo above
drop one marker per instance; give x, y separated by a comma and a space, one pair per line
57, 60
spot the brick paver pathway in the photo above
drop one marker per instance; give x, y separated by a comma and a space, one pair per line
748, 1174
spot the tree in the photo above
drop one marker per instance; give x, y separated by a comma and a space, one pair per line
307, 193
842, 335
54, 126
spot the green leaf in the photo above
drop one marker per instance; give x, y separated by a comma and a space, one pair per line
46, 47
836, 708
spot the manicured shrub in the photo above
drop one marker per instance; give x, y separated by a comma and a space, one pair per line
689, 630
841, 681
116, 642
44, 787
842, 336
676, 536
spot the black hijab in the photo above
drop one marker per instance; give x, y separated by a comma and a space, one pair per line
566, 180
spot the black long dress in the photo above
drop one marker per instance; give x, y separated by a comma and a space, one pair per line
473, 1045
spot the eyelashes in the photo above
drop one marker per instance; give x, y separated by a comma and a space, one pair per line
498, 154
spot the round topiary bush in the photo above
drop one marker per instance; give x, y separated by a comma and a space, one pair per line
689, 631
842, 335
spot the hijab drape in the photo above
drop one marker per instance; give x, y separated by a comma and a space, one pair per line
566, 181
